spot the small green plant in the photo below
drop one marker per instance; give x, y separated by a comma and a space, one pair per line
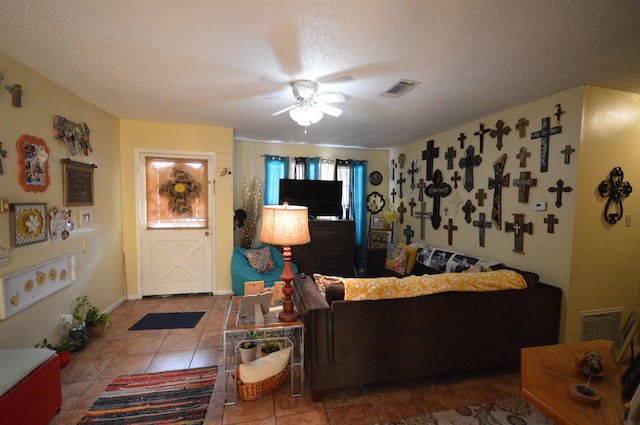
270, 346
86, 312
250, 335
63, 346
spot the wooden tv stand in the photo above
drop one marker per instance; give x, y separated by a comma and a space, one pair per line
331, 250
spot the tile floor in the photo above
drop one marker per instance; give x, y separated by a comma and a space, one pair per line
119, 351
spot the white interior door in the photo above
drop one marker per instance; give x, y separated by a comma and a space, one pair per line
176, 254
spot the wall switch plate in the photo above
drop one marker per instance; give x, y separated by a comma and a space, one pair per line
540, 206
627, 220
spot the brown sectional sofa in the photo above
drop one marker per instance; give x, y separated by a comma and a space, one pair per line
351, 343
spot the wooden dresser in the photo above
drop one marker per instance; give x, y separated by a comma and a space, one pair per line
331, 250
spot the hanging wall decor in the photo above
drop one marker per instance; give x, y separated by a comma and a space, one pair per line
3, 154
480, 133
422, 215
449, 155
438, 189
567, 151
481, 224
498, 132
77, 183
33, 174
521, 126
468, 208
401, 211
519, 228
181, 190
375, 178
543, 135
429, 155
461, 139
412, 172
392, 167
401, 160
16, 95
375, 202
559, 112
468, 162
75, 135
496, 183
400, 181
408, 234
559, 189
29, 224
616, 190
60, 224
523, 184
522, 155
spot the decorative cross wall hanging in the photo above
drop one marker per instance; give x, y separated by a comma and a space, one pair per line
422, 215
449, 155
16, 95
412, 172
438, 189
392, 167
461, 139
393, 195
498, 132
496, 184
550, 220
481, 195
521, 126
450, 228
480, 133
522, 156
455, 179
543, 135
468, 162
617, 190
481, 225
559, 112
524, 183
401, 159
3, 154
401, 210
408, 233
429, 155
468, 208
519, 228
421, 185
412, 204
567, 151
75, 135
400, 181
559, 189
181, 190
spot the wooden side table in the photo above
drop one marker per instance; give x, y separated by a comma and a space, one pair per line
549, 371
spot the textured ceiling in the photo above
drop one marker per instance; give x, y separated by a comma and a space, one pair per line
214, 62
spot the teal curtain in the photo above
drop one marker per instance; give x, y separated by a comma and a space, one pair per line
275, 168
359, 191
313, 167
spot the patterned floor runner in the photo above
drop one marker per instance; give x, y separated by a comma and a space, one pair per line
174, 397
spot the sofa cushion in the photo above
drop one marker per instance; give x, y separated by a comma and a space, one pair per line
396, 259
260, 259
412, 255
322, 282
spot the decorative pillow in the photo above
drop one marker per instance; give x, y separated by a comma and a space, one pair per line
261, 259
396, 259
412, 255
323, 281
265, 367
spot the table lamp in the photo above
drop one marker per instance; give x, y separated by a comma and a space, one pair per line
285, 225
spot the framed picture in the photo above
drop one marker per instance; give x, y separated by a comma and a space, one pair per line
77, 183
629, 331
29, 224
85, 218
376, 223
378, 239
33, 160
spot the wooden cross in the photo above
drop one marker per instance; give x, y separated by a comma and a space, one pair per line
559, 189
481, 225
522, 156
408, 233
422, 215
429, 155
567, 151
551, 220
401, 210
438, 189
496, 184
543, 135
412, 172
393, 195
498, 132
559, 112
400, 181
480, 133
519, 228
412, 204
451, 153
468, 162
455, 179
446, 210
461, 139
3, 154
401, 159
451, 228
617, 190
392, 167
480, 197
468, 208
521, 126
524, 183
421, 185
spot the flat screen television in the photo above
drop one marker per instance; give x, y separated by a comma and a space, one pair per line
323, 198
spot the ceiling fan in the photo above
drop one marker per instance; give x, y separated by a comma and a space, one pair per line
310, 107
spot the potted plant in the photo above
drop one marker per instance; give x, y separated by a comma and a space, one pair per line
269, 346
248, 348
94, 319
63, 349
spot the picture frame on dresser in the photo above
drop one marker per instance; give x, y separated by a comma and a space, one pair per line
379, 238
625, 339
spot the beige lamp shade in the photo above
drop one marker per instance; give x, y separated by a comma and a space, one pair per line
285, 225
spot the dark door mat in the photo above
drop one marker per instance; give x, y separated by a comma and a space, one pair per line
168, 321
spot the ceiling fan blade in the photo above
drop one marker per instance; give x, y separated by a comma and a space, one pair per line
275, 80
329, 110
330, 98
281, 111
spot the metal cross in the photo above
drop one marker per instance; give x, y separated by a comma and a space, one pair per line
451, 153
468, 208
412, 204
400, 181
455, 179
481, 225
412, 172
543, 135
3, 154
429, 155
480, 197
521, 126
393, 195
438, 189
617, 190
522, 156
401, 210
422, 215
498, 132
451, 228
480, 133
496, 184
550, 220
524, 183
421, 185
468, 162
567, 151
461, 139
559, 112
559, 189
519, 228
408, 233
392, 167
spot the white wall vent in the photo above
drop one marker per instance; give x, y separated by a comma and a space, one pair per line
600, 324
399, 88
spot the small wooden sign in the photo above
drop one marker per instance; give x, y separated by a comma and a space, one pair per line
77, 185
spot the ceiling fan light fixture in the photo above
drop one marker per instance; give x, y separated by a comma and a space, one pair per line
305, 115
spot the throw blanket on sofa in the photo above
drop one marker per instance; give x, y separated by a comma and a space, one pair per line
359, 289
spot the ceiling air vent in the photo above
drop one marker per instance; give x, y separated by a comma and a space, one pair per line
399, 88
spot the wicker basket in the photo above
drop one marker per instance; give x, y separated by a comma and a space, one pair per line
255, 390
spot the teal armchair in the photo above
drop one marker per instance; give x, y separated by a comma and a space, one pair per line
241, 270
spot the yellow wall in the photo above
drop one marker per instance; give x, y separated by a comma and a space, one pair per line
604, 265
99, 270
164, 136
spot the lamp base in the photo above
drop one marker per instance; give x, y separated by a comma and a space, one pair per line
288, 316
